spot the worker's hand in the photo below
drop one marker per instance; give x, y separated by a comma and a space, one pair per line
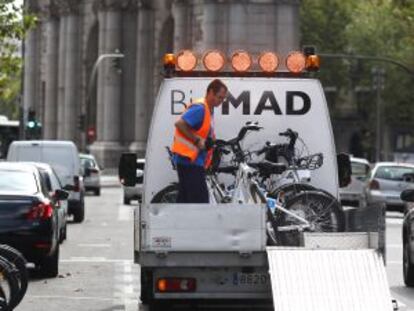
201, 144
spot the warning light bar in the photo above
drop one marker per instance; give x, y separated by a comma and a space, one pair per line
241, 62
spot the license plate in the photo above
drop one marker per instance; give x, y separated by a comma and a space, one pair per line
250, 278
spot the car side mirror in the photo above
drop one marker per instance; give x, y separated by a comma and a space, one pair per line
87, 172
69, 187
127, 169
61, 194
407, 195
344, 169
409, 178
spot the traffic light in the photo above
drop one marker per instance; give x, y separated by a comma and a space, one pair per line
81, 122
31, 119
91, 134
33, 126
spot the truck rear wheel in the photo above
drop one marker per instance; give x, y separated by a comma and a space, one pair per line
168, 194
146, 286
408, 267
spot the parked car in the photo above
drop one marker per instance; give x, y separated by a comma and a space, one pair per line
408, 238
91, 173
135, 193
354, 194
29, 215
63, 156
387, 181
52, 184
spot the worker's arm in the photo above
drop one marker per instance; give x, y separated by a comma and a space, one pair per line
186, 130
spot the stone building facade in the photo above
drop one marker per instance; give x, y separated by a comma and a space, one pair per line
62, 51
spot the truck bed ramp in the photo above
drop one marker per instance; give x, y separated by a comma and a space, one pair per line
328, 280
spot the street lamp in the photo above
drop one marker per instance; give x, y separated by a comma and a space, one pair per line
378, 82
116, 56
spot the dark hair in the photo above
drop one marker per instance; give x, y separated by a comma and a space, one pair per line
216, 85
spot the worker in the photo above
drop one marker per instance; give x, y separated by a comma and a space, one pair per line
190, 155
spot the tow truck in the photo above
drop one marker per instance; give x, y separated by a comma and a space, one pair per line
215, 254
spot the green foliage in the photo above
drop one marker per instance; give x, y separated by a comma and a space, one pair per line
380, 28
14, 24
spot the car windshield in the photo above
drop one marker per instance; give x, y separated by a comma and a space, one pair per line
393, 172
88, 163
18, 181
359, 169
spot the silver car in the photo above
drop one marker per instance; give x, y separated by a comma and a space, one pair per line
387, 181
354, 194
91, 173
135, 193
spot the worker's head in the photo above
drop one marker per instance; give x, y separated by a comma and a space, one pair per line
216, 93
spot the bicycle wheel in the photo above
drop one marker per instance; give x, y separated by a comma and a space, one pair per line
290, 190
167, 195
322, 211
14, 257
8, 283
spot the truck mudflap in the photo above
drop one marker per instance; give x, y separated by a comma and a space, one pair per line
323, 276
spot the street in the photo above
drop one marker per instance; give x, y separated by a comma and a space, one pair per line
97, 270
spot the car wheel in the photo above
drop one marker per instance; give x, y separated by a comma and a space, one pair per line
127, 201
98, 191
79, 214
64, 232
49, 266
408, 266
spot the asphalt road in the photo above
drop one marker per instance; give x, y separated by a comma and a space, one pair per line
404, 295
97, 271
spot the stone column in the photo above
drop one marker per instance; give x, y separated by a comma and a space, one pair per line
182, 27
72, 94
144, 76
31, 65
108, 148
208, 27
100, 77
51, 88
61, 76
287, 33
129, 37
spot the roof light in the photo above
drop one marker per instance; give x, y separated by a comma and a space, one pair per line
213, 60
313, 63
186, 60
295, 62
241, 61
169, 59
268, 62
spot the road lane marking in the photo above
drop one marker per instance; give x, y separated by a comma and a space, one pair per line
94, 245
125, 213
94, 259
394, 221
69, 297
398, 263
394, 246
126, 281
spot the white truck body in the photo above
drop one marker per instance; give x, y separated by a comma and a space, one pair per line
223, 246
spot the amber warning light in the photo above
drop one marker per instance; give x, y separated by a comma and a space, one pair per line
241, 62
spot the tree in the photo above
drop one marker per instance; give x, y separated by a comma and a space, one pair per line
382, 28
14, 24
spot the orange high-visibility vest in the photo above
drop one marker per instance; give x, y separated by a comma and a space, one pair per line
185, 147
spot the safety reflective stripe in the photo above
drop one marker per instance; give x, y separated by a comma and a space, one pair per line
186, 142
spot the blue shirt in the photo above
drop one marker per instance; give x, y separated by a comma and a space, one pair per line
194, 117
